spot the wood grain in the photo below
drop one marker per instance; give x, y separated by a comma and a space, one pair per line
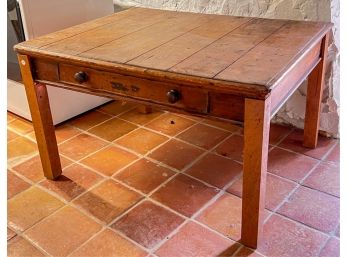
180, 48
42, 121
314, 94
222, 67
153, 91
145, 109
131, 46
226, 106
105, 34
54, 37
256, 135
211, 60
271, 58
214, 51
296, 74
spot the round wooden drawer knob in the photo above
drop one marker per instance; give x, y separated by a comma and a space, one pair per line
173, 96
81, 76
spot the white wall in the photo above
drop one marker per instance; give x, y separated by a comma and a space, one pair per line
315, 10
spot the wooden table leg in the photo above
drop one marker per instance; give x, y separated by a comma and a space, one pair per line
314, 93
256, 135
145, 109
42, 121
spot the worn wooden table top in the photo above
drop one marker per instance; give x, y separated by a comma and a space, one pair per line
223, 67
246, 54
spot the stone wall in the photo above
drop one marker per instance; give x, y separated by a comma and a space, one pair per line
316, 10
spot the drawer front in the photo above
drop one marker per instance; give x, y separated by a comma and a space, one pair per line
174, 95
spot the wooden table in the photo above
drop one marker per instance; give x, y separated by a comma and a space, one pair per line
232, 68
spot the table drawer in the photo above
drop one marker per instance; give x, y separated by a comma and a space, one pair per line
159, 92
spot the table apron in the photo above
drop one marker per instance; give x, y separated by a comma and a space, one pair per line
193, 100
294, 77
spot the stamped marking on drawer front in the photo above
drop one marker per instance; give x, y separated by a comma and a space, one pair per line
148, 90
119, 86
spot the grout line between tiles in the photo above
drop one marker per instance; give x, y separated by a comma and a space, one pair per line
301, 224
323, 245
198, 158
320, 161
148, 196
165, 182
21, 234
70, 203
286, 199
253, 250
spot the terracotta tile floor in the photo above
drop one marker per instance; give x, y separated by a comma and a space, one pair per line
168, 185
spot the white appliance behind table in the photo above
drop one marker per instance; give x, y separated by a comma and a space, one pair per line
40, 17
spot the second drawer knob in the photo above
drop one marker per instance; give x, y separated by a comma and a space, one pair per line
173, 96
81, 76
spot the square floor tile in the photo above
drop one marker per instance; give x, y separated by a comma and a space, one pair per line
137, 117
116, 107
289, 165
10, 233
20, 148
294, 142
32, 136
232, 148
21, 126
112, 129
224, 216
331, 249
29, 207
64, 132
337, 233
11, 135
81, 146
11, 117
15, 184
278, 132
215, 170
144, 175
277, 189
32, 168
19, 247
203, 136
109, 244
74, 181
148, 224
176, 154
190, 117
325, 178
68, 229
313, 208
109, 160
184, 195
334, 155
286, 238
141, 140
170, 124
246, 252
108, 200
193, 240
226, 125
89, 119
